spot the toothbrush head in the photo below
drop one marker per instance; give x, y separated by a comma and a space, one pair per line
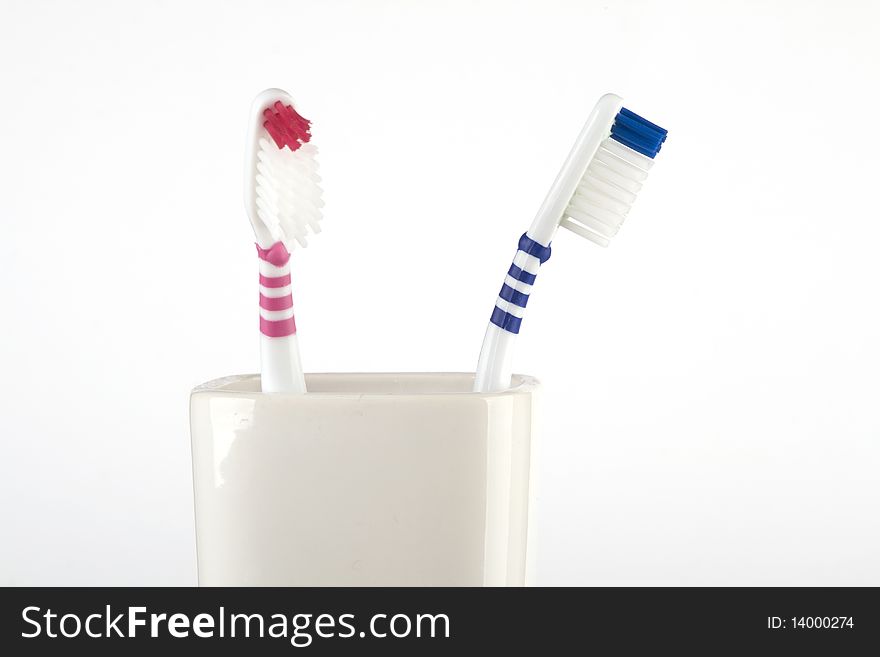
282, 186
615, 173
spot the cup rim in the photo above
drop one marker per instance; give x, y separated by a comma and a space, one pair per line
247, 385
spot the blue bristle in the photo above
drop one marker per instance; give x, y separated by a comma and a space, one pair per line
637, 133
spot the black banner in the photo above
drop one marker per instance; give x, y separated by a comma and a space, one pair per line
112, 621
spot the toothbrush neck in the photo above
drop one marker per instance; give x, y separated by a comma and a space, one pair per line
511, 303
543, 231
276, 299
530, 246
277, 254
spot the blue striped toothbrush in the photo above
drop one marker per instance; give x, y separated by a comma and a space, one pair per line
591, 197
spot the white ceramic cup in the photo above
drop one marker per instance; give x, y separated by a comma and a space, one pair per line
366, 480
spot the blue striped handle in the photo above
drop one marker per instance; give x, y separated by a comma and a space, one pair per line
517, 286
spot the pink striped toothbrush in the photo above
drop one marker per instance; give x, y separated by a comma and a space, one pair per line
283, 201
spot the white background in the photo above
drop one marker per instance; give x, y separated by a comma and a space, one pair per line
711, 407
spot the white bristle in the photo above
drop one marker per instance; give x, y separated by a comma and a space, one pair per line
606, 192
287, 191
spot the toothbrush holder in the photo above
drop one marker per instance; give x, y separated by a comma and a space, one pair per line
369, 479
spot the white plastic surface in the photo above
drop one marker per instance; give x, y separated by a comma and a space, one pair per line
496, 356
281, 379
367, 480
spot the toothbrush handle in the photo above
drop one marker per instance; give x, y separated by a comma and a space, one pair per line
494, 367
279, 352
281, 367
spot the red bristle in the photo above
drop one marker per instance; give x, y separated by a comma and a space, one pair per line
302, 123
279, 126
295, 118
286, 126
288, 129
273, 132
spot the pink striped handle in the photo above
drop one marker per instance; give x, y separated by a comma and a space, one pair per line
277, 256
276, 303
278, 328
